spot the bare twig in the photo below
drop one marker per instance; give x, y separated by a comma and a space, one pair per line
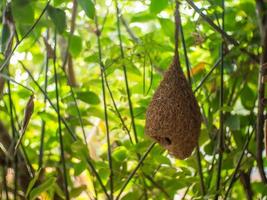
62, 156
261, 8
125, 73
222, 32
179, 25
135, 170
6, 61
98, 33
233, 177
221, 131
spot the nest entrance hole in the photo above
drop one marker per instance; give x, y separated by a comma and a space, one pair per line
163, 140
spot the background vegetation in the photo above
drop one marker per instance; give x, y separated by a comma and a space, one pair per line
93, 67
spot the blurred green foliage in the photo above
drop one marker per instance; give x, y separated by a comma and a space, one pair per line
147, 29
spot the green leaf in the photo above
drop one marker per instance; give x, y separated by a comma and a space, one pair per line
58, 17
88, 7
120, 153
23, 13
5, 37
80, 149
157, 5
32, 182
59, 191
167, 26
142, 17
45, 186
88, 97
233, 122
75, 192
75, 45
248, 97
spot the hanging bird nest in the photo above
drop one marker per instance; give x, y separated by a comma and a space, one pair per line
173, 117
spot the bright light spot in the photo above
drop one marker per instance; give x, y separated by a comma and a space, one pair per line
69, 5
82, 14
136, 7
29, 56
108, 2
19, 76
16, 57
164, 14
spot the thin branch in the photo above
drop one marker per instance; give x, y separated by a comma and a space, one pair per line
261, 8
158, 186
40, 161
135, 170
246, 182
187, 63
59, 123
125, 73
233, 176
74, 137
218, 61
129, 31
6, 61
178, 20
117, 110
105, 106
221, 131
222, 32
14, 81
72, 28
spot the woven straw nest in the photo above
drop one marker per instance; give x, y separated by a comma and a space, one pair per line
173, 117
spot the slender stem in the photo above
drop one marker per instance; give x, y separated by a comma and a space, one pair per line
244, 178
187, 63
202, 185
261, 7
129, 31
233, 176
117, 110
135, 170
125, 73
72, 28
74, 138
79, 114
177, 27
200, 171
221, 133
4, 171
40, 162
105, 107
59, 123
158, 186
14, 139
218, 61
15, 82
222, 32
6, 61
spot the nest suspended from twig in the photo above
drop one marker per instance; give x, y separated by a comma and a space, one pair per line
173, 117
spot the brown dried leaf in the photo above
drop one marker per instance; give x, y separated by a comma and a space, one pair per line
71, 73
265, 134
28, 113
49, 49
2, 84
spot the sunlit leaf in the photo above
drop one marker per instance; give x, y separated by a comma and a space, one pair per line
45, 186
58, 17
88, 97
158, 5
88, 7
